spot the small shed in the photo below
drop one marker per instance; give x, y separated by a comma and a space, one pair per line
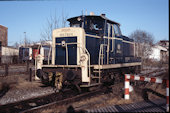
9, 54
158, 53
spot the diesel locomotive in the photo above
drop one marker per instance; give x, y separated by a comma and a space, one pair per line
90, 52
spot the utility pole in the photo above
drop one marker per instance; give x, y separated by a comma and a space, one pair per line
25, 39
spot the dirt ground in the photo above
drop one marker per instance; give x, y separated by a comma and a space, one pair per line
113, 98
18, 88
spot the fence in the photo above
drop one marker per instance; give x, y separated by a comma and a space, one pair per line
11, 69
129, 77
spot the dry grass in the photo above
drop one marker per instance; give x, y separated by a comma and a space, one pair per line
13, 80
111, 99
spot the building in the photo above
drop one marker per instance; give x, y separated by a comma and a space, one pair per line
164, 55
164, 43
9, 55
159, 53
3, 36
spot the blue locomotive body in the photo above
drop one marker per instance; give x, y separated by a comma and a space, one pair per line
100, 30
89, 52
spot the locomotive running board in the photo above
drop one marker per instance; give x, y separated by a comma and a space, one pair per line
116, 65
64, 66
91, 85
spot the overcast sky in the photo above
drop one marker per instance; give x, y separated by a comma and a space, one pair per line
31, 16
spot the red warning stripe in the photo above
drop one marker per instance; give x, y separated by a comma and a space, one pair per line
132, 77
153, 80
164, 81
167, 83
142, 78
167, 98
126, 91
126, 78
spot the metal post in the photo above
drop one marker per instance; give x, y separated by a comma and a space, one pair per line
30, 75
167, 95
6, 69
27, 65
25, 39
127, 84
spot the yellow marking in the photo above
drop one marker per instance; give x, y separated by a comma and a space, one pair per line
58, 80
50, 76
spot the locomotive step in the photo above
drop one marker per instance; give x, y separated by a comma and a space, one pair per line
90, 85
95, 77
96, 71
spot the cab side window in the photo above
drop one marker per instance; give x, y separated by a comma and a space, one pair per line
107, 29
111, 30
117, 30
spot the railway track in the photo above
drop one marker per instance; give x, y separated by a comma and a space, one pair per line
56, 99
153, 72
142, 106
34, 102
44, 102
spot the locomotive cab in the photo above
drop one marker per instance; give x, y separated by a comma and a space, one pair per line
88, 53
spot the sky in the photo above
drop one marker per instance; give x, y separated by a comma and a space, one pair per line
31, 16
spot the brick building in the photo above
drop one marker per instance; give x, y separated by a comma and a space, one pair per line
3, 38
3, 35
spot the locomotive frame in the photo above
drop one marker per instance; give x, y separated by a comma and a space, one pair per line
88, 57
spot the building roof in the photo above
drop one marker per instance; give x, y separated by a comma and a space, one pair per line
1, 26
164, 40
160, 47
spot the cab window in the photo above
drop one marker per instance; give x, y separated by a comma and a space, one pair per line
117, 30
93, 25
75, 25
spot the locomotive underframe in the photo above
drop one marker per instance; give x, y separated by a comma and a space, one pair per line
71, 74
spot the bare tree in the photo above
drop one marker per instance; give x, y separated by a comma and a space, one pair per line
144, 42
64, 19
53, 22
23, 42
16, 45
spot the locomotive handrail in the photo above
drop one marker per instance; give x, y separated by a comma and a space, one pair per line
101, 50
101, 46
100, 53
88, 54
66, 54
112, 45
49, 54
89, 63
